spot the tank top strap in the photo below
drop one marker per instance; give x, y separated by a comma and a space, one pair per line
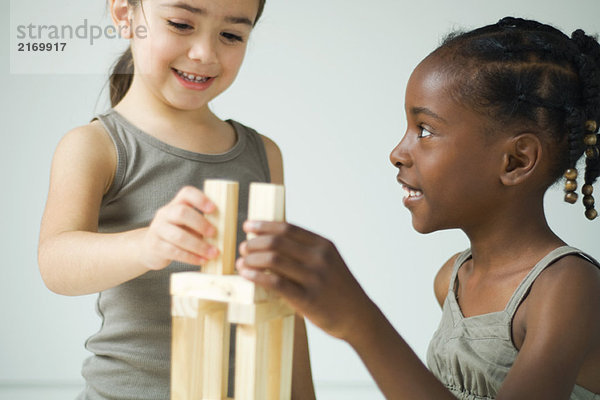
460, 260
525, 285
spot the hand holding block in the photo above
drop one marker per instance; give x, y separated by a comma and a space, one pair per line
225, 196
204, 304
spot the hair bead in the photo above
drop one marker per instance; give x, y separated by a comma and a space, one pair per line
590, 139
571, 197
571, 174
570, 186
591, 213
588, 201
591, 126
587, 190
592, 152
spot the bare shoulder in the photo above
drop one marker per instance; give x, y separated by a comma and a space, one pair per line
274, 159
441, 282
91, 138
566, 297
562, 328
90, 149
569, 278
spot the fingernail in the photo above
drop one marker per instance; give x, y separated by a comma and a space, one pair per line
243, 247
209, 206
248, 273
210, 231
212, 252
239, 264
250, 225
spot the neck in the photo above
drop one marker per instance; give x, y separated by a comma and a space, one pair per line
142, 107
197, 130
520, 231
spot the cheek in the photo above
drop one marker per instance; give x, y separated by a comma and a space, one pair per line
157, 50
232, 59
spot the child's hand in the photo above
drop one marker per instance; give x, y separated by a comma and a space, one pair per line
178, 230
308, 272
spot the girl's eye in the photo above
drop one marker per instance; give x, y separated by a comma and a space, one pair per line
232, 38
179, 26
424, 132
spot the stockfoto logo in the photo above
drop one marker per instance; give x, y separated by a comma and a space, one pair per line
84, 31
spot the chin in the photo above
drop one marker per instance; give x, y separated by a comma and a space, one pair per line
420, 227
425, 227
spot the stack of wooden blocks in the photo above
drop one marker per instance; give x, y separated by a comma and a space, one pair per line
204, 304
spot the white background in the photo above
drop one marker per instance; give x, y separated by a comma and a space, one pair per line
325, 80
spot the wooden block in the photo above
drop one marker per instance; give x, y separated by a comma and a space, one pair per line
286, 357
266, 202
251, 362
200, 349
225, 196
251, 314
215, 354
187, 341
223, 288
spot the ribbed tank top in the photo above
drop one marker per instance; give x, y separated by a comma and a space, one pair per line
131, 351
472, 356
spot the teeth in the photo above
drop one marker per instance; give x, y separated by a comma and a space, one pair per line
192, 77
412, 192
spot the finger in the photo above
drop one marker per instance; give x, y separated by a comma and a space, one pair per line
184, 215
290, 247
281, 228
195, 198
277, 264
289, 290
186, 240
169, 251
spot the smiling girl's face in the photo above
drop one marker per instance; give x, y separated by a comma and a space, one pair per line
191, 50
448, 163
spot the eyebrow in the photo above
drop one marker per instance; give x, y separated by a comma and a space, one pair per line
195, 10
426, 111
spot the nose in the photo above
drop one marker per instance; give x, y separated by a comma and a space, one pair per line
400, 155
203, 49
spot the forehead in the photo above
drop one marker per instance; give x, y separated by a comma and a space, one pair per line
430, 86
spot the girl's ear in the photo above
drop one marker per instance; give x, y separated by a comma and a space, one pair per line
119, 11
521, 158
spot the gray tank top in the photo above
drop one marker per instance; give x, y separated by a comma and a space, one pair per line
472, 356
131, 351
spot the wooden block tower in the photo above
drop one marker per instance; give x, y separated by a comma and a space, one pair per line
204, 304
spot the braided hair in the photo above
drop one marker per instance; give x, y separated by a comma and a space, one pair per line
523, 72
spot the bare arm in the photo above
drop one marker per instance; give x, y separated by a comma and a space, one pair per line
309, 273
73, 257
562, 325
302, 383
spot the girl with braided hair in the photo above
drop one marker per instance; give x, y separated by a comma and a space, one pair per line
495, 116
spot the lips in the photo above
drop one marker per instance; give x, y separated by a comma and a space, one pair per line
192, 81
411, 193
192, 77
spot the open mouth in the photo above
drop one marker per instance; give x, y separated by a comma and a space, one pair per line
191, 77
411, 192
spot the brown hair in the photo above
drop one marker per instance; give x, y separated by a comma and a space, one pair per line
122, 70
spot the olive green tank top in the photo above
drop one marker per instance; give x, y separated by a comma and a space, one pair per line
472, 356
131, 351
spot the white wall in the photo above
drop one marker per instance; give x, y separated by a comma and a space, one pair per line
325, 80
